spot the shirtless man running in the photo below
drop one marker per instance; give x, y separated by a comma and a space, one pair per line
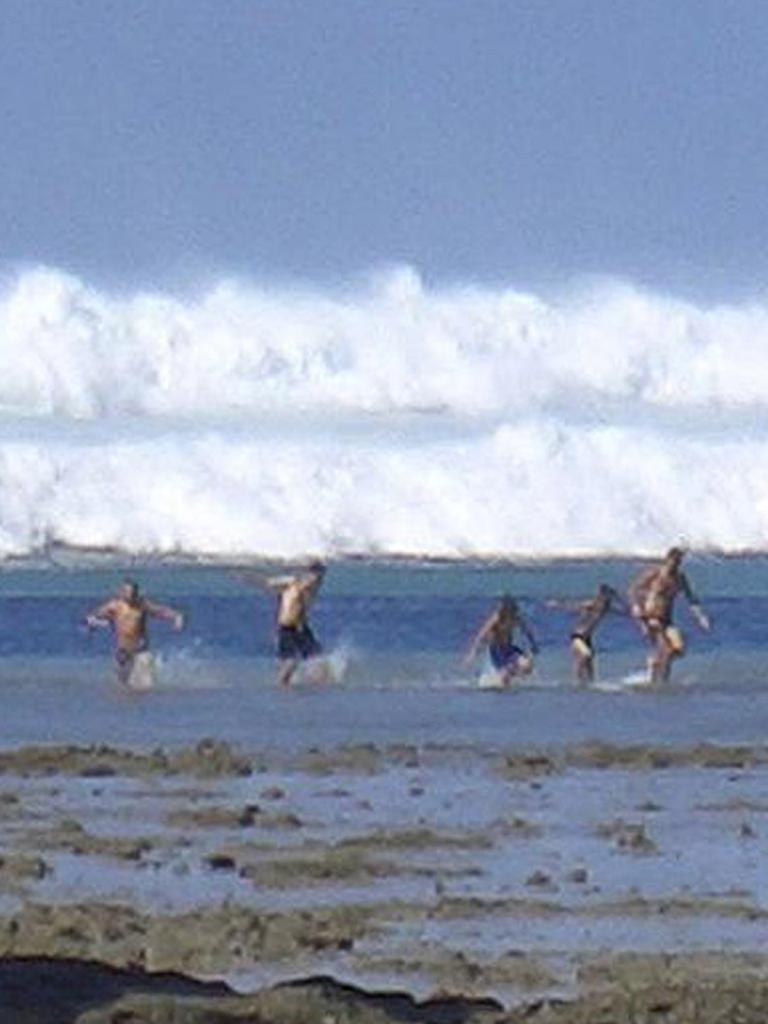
497, 633
652, 598
295, 594
128, 615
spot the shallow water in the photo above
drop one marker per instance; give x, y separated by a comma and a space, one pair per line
500, 863
400, 631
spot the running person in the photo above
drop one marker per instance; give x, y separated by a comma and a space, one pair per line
497, 633
652, 598
128, 614
590, 613
295, 640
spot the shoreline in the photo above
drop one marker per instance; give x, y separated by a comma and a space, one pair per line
495, 878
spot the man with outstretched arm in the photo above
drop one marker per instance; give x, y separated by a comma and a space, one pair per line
128, 614
652, 598
590, 613
295, 595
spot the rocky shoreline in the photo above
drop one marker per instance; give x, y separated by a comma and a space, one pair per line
594, 884
45, 991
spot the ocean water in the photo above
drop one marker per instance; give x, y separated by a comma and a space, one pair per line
380, 417
439, 445
399, 630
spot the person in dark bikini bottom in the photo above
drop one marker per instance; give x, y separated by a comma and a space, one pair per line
591, 613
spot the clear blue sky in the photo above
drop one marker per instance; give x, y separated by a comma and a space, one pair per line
499, 140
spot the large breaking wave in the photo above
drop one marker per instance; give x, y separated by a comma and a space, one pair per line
385, 418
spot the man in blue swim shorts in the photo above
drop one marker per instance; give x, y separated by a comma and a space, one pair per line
498, 634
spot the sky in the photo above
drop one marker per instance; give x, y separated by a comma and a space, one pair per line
513, 141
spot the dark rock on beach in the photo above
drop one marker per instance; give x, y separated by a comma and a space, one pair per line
41, 990
44, 991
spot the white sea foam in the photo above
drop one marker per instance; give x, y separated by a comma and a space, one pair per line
391, 418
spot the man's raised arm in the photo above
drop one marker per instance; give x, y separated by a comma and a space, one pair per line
101, 616
161, 611
260, 579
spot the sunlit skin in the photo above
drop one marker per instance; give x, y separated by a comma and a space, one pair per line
295, 596
498, 632
652, 599
128, 614
591, 613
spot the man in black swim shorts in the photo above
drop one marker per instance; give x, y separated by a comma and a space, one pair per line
295, 640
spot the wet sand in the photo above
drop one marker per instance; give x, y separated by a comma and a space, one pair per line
460, 883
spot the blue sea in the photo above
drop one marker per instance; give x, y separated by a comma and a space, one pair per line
404, 743
399, 631
438, 445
